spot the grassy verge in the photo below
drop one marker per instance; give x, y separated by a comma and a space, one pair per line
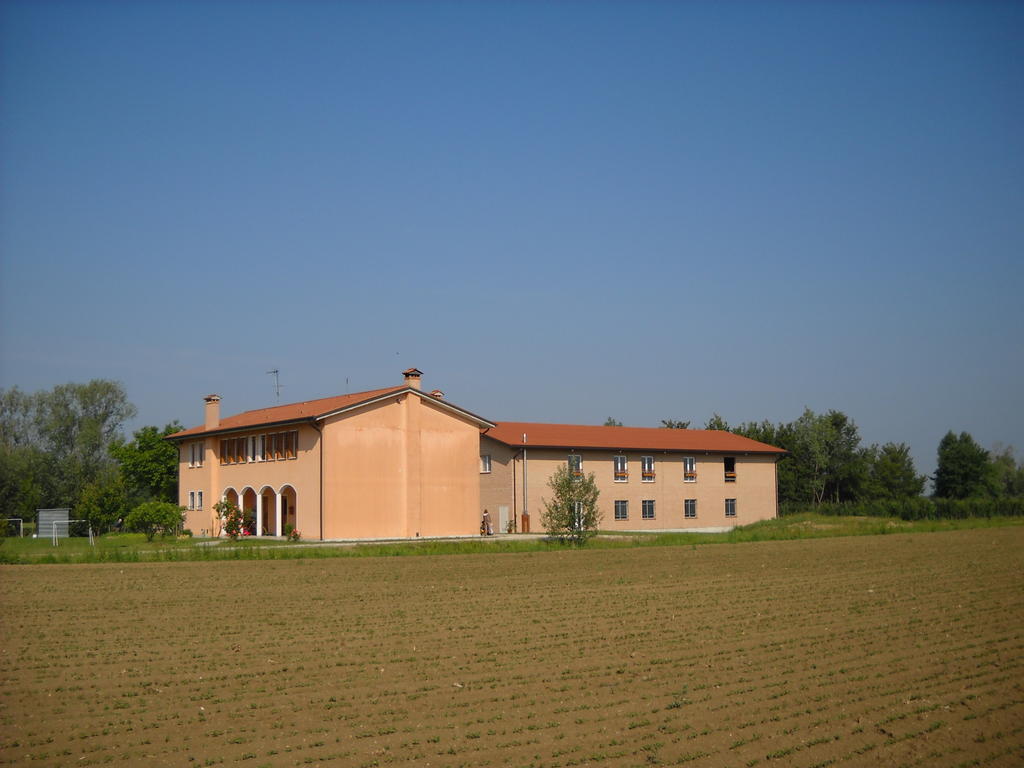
127, 548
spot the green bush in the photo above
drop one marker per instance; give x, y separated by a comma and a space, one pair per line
152, 517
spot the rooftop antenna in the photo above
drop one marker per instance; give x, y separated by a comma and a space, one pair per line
277, 383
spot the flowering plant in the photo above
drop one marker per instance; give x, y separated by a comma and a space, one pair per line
294, 535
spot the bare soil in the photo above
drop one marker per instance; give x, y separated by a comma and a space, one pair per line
873, 650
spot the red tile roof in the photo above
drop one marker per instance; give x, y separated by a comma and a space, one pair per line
308, 410
625, 438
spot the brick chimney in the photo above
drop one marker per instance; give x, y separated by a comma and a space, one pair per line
212, 411
412, 377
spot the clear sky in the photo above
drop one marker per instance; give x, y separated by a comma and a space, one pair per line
558, 211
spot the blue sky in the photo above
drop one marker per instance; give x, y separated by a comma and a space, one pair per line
558, 211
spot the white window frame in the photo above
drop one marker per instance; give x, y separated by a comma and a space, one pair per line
730, 507
485, 464
689, 469
623, 505
577, 509
191, 499
620, 471
689, 509
647, 469
195, 456
199, 499
647, 506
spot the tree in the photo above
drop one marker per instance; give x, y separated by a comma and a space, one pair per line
572, 514
673, 424
149, 463
829, 462
892, 473
103, 502
54, 443
964, 470
717, 422
1008, 474
153, 517
610, 422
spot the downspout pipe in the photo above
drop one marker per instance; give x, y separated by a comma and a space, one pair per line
319, 429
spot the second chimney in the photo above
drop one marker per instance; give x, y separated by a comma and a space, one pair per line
212, 411
412, 377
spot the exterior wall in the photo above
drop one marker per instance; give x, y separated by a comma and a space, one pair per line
400, 468
753, 489
499, 487
194, 479
264, 478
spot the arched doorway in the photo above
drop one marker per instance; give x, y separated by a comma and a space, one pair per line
248, 507
289, 516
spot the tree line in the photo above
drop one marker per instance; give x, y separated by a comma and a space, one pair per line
65, 447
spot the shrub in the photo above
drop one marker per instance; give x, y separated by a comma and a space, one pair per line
293, 534
231, 518
152, 517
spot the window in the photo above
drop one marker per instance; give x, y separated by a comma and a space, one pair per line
690, 508
647, 469
730, 469
290, 438
191, 499
621, 470
576, 464
199, 499
485, 464
647, 509
263, 448
689, 469
622, 510
577, 508
195, 456
730, 507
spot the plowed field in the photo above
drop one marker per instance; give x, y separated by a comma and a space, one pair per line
881, 650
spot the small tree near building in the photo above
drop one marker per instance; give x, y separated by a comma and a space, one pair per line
153, 517
571, 514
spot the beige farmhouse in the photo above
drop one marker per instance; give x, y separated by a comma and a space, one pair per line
401, 463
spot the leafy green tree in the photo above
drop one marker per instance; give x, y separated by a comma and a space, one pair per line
610, 422
149, 463
153, 517
54, 443
1008, 474
571, 514
893, 475
964, 470
103, 502
674, 424
717, 422
829, 463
